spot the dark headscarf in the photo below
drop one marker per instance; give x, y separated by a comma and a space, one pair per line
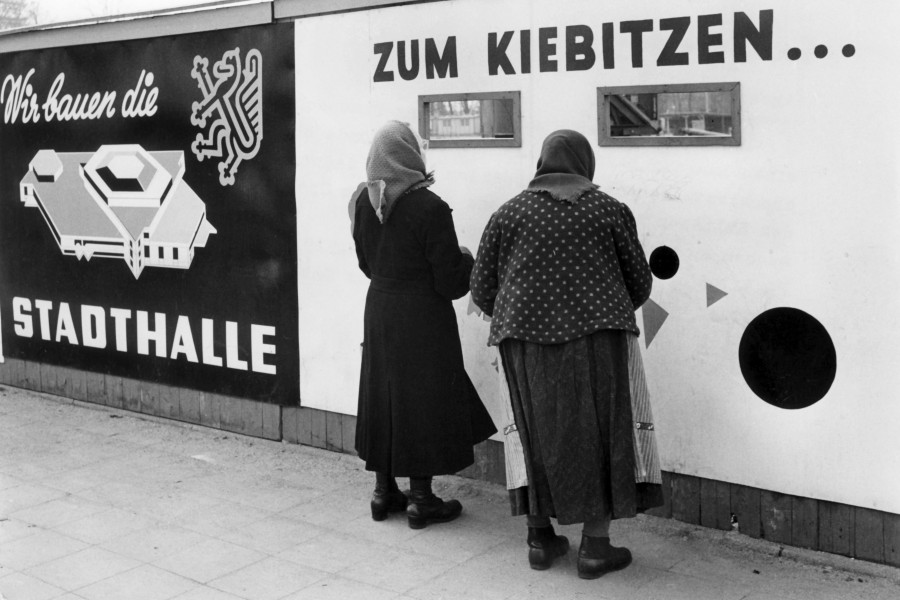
395, 166
566, 166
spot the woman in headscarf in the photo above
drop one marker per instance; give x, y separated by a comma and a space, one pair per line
419, 414
561, 271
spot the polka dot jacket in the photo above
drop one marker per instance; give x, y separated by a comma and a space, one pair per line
550, 272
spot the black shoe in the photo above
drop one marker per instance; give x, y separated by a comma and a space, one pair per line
544, 546
424, 507
597, 557
420, 513
387, 497
385, 503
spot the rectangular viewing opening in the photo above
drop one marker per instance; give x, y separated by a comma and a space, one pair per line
704, 114
488, 119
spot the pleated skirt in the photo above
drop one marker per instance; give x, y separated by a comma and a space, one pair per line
573, 413
418, 413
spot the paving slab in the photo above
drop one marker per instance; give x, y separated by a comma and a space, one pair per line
98, 503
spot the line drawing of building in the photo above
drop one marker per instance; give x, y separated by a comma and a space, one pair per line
118, 202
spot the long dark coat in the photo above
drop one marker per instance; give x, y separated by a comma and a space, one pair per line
418, 413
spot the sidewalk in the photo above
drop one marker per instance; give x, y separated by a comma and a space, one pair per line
100, 504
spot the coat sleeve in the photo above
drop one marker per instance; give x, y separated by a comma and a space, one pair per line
357, 238
485, 281
632, 262
449, 265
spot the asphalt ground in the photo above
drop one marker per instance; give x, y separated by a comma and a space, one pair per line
103, 504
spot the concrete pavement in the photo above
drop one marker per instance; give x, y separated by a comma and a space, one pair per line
101, 504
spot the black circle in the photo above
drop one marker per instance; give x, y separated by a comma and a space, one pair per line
787, 358
664, 262
848, 50
794, 53
821, 51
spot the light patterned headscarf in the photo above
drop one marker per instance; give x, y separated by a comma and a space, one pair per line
566, 167
395, 167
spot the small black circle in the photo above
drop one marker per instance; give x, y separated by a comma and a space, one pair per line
664, 262
794, 53
848, 50
787, 358
821, 51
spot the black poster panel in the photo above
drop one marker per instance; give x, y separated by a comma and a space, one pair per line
148, 223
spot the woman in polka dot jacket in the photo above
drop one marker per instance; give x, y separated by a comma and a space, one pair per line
561, 271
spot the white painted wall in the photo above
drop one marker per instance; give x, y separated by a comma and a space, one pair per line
803, 214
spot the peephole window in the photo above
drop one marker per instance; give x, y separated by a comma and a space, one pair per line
470, 120
696, 114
